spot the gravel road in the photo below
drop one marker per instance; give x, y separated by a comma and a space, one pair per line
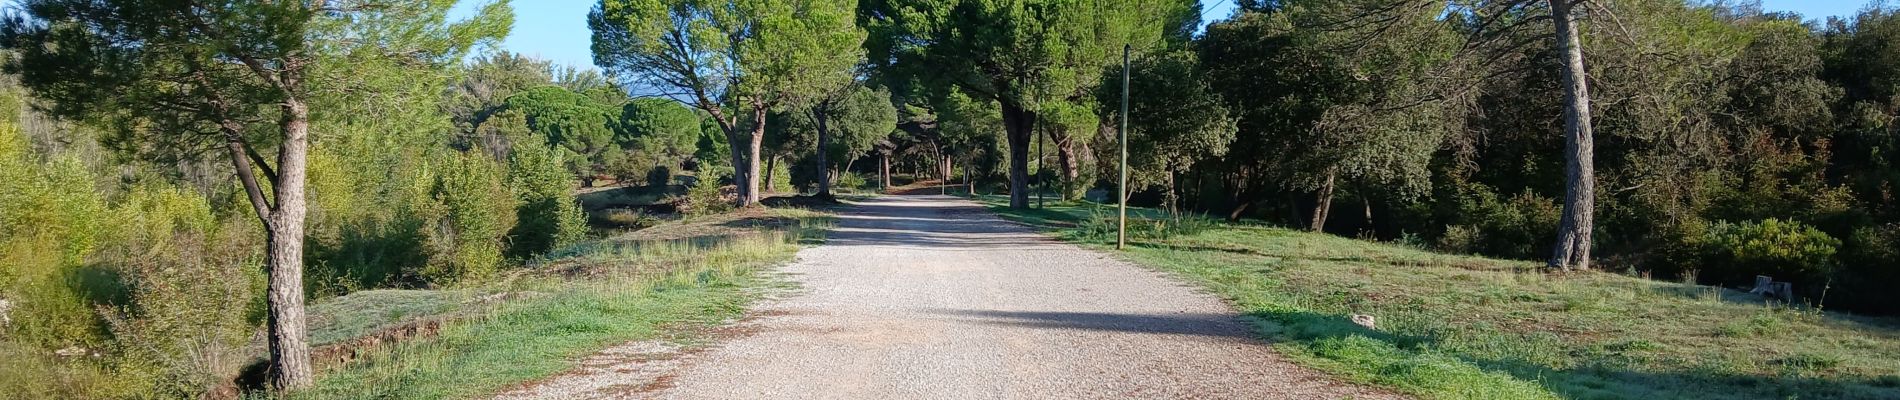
931, 297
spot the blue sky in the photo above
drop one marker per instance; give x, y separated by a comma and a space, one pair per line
557, 29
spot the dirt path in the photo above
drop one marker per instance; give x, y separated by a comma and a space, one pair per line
929, 297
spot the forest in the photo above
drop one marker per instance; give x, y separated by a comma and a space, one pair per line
179, 178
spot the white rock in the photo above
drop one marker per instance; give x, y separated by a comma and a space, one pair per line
73, 351
1365, 321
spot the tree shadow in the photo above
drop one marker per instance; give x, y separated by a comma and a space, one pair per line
1191, 324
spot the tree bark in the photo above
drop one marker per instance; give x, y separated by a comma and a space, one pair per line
749, 187
1172, 196
1042, 165
1371, 228
1572, 250
771, 165
824, 146
1018, 124
288, 344
1325, 203
969, 186
1071, 168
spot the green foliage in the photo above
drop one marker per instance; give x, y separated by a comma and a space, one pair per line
574, 122
483, 91
548, 217
475, 213
51, 221
664, 128
1773, 247
1354, 102
1514, 228
134, 291
193, 333
705, 198
1175, 121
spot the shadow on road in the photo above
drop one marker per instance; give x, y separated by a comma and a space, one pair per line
1214, 325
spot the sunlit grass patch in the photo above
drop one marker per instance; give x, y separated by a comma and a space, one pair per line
1459, 327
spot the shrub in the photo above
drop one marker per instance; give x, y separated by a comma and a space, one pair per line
705, 197
548, 216
51, 218
854, 181
659, 176
1519, 227
189, 331
1786, 250
623, 218
473, 212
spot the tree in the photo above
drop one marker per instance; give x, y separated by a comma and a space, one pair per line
586, 128
484, 90
1321, 96
847, 124
660, 128
1177, 121
190, 74
1019, 53
1573, 232
726, 57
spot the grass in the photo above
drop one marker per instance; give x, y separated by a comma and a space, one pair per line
632, 287
1458, 327
627, 196
361, 313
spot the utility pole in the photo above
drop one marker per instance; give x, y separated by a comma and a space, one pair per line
1121, 224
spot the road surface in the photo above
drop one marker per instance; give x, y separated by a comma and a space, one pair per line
932, 297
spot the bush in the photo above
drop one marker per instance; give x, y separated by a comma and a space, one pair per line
473, 212
51, 218
1520, 227
623, 218
1786, 250
189, 331
706, 197
548, 216
855, 181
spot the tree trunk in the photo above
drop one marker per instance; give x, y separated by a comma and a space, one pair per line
848, 162
943, 172
1042, 164
1371, 228
289, 349
824, 147
1066, 161
749, 188
1018, 123
969, 186
771, 165
1325, 203
1573, 232
1172, 197
883, 171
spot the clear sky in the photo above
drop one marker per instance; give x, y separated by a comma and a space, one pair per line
557, 29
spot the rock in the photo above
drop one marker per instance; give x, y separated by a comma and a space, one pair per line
1365, 321
1767, 287
73, 351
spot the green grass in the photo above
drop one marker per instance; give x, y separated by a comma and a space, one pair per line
1457, 327
633, 288
364, 312
627, 196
